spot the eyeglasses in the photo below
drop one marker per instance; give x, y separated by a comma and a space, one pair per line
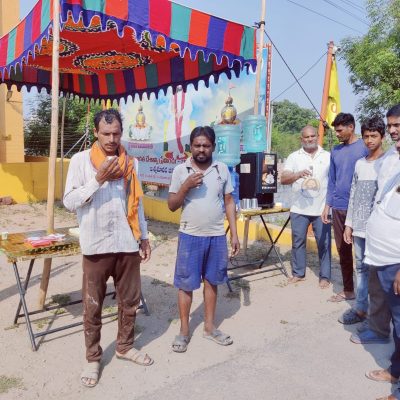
396, 126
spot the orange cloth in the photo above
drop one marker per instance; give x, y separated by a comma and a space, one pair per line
132, 184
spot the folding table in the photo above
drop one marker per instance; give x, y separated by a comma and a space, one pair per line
17, 249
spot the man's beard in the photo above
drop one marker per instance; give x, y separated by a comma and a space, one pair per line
203, 160
310, 147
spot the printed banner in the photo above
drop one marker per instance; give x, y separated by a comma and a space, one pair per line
156, 131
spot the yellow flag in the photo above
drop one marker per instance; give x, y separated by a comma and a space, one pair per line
333, 107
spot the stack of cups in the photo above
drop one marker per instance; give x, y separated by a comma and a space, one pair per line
249, 204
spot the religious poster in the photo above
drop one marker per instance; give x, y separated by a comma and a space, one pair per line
156, 131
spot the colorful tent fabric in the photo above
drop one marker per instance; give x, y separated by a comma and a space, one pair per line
110, 49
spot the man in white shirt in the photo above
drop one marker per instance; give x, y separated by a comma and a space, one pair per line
382, 253
307, 171
104, 190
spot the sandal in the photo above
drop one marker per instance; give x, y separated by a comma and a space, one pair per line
339, 297
180, 343
90, 373
136, 356
218, 337
381, 375
295, 279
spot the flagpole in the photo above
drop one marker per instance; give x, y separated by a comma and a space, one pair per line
53, 146
259, 57
325, 93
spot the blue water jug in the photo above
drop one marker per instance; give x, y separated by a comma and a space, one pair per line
235, 184
227, 141
254, 130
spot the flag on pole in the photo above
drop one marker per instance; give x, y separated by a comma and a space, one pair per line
333, 107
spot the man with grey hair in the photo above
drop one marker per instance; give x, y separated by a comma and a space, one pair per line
307, 171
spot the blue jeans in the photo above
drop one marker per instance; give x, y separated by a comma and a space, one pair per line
322, 233
386, 276
362, 272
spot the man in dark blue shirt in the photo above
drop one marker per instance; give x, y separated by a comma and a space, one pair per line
343, 160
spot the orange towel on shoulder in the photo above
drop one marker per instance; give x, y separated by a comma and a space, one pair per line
132, 184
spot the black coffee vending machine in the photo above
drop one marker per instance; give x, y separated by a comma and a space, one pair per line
258, 177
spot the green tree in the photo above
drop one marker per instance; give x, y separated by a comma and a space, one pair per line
288, 120
374, 59
37, 127
289, 117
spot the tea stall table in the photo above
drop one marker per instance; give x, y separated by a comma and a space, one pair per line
17, 249
262, 213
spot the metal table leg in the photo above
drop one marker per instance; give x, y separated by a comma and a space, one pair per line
22, 292
273, 245
28, 277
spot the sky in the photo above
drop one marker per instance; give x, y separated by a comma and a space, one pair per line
300, 30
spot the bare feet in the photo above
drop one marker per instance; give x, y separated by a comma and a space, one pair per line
295, 279
324, 283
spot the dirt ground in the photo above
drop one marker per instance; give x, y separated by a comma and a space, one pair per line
287, 341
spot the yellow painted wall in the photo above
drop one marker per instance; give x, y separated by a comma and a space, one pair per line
26, 182
11, 116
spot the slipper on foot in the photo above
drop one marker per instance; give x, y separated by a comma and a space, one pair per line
381, 375
350, 317
136, 356
339, 297
218, 337
180, 343
90, 373
296, 279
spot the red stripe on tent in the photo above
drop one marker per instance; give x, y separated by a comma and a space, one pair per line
217, 67
4, 50
117, 8
103, 88
233, 38
30, 75
75, 80
119, 82
191, 68
79, 2
140, 78
198, 33
88, 85
19, 42
164, 72
160, 15
36, 21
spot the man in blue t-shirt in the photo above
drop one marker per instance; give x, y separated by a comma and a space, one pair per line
343, 160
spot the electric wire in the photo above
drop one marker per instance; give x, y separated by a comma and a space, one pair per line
345, 11
324, 16
300, 77
295, 77
354, 5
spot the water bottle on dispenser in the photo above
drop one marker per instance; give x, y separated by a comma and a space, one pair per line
254, 129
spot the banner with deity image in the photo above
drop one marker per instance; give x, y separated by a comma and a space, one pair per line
156, 131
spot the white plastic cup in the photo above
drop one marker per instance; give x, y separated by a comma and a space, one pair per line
245, 204
4, 235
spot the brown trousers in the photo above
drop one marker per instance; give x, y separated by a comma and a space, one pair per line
125, 270
345, 250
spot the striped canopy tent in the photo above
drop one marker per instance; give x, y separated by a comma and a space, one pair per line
112, 49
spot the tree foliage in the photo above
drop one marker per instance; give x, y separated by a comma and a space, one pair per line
374, 59
37, 127
288, 120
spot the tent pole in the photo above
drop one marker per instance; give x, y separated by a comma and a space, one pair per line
325, 93
53, 146
62, 146
259, 57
